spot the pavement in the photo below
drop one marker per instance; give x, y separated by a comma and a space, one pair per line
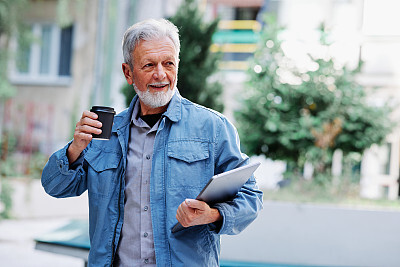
17, 246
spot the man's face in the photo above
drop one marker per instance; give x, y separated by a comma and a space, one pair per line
154, 74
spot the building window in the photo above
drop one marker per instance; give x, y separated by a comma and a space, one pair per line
246, 13
385, 152
46, 59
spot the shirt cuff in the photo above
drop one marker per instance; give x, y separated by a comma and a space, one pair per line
224, 226
78, 162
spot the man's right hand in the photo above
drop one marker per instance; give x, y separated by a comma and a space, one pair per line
86, 126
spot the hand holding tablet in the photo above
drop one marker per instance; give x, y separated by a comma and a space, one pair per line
223, 186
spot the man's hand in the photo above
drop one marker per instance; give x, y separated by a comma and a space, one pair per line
86, 126
194, 212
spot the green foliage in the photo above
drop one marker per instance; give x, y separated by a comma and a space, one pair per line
36, 164
5, 198
197, 62
128, 91
321, 189
8, 167
300, 115
11, 14
12, 164
8, 145
65, 9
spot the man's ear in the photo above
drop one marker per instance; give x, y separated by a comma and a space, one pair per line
127, 73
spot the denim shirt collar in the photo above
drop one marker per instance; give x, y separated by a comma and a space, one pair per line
123, 119
174, 110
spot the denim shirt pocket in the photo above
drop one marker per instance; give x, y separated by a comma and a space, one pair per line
188, 162
102, 171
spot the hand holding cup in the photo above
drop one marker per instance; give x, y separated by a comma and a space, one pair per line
86, 126
106, 117
94, 124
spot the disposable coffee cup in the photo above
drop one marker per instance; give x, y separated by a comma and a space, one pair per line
106, 117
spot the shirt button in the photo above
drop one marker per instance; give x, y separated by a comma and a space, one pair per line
147, 156
146, 261
146, 208
146, 235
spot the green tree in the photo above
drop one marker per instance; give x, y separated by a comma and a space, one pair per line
128, 92
11, 15
300, 115
197, 63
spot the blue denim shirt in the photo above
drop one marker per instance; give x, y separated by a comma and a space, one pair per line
192, 144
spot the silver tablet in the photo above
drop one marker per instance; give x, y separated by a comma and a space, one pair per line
224, 186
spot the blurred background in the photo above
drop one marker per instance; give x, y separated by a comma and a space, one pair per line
312, 86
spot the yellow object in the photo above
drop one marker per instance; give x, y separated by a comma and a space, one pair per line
239, 25
233, 48
233, 65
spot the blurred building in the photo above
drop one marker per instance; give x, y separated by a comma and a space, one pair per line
75, 61
380, 39
53, 75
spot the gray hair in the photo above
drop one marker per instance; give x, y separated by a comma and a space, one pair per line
148, 30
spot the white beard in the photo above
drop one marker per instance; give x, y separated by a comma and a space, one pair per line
156, 99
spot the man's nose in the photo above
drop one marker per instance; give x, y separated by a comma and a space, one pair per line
159, 72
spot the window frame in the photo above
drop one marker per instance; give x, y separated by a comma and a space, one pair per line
33, 76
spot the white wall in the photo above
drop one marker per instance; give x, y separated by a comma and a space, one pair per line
317, 235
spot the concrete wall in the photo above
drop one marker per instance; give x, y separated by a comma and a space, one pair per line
318, 235
30, 201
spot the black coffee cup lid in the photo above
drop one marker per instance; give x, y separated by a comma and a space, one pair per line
103, 109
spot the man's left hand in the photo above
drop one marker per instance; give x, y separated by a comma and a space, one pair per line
195, 212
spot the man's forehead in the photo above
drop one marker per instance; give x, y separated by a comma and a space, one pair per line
152, 44
159, 48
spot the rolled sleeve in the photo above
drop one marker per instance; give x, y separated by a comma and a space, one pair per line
62, 179
227, 218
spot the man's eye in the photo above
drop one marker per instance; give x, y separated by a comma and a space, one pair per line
170, 63
148, 65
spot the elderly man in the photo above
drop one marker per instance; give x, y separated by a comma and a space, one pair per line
162, 151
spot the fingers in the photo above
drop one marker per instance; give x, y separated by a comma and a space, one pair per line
193, 212
89, 114
89, 121
82, 136
196, 204
85, 127
183, 215
186, 215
